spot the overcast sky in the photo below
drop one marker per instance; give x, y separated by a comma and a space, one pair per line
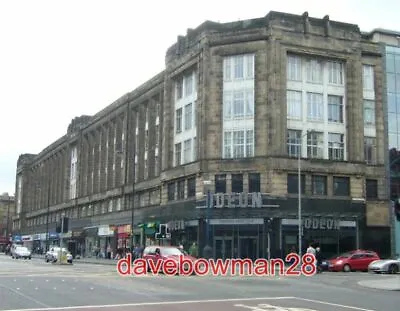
61, 59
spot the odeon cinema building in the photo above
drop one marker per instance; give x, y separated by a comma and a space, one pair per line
214, 145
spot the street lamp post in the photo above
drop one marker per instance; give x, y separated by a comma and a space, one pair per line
300, 246
207, 251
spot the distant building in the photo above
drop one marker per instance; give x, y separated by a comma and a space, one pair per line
7, 211
391, 46
236, 107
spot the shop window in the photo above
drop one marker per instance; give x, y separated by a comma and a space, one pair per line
293, 185
181, 189
237, 183
319, 185
341, 186
220, 183
171, 191
191, 187
371, 189
254, 182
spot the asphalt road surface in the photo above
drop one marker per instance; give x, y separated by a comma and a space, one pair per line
36, 285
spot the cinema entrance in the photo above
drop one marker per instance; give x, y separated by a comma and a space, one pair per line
238, 238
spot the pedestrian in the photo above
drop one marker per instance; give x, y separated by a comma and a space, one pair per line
318, 257
311, 249
193, 251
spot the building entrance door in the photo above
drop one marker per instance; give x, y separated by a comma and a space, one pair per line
248, 247
223, 247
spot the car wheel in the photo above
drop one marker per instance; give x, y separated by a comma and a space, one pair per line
30, 258
393, 269
346, 268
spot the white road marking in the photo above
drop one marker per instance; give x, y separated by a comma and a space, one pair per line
25, 296
160, 303
333, 304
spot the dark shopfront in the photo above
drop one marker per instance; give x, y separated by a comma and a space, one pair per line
258, 226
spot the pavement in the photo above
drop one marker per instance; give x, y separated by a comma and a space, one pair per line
32, 285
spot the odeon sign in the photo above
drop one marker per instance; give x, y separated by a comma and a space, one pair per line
321, 223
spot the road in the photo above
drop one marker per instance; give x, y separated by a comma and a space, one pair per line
36, 285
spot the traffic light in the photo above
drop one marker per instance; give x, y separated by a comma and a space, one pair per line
163, 232
397, 209
62, 225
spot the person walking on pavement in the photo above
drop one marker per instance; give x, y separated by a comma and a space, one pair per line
318, 257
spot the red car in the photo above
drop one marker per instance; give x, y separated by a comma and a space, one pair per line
357, 260
157, 253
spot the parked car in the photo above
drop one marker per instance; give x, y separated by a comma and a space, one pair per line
53, 254
21, 252
156, 253
357, 260
390, 266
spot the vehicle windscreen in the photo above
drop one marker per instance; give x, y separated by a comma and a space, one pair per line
345, 255
171, 252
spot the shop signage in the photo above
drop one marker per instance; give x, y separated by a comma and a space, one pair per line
320, 223
176, 225
105, 231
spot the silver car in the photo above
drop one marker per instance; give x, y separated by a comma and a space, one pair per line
391, 266
21, 252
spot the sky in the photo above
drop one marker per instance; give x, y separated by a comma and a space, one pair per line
62, 59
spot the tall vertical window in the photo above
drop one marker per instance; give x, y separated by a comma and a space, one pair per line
73, 171
178, 154
187, 151
369, 112
254, 182
294, 143
315, 107
220, 183
335, 71
179, 88
294, 70
315, 145
319, 185
368, 77
370, 150
294, 105
314, 71
189, 84
336, 146
188, 116
178, 120
238, 106
237, 183
335, 109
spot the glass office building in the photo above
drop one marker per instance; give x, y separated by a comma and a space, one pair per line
393, 104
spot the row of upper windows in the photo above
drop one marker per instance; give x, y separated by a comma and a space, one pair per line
317, 103
319, 186
317, 145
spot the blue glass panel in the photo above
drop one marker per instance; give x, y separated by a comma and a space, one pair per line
393, 141
391, 82
390, 62
397, 60
392, 123
392, 103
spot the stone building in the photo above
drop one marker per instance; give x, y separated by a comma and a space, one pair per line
213, 144
7, 211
